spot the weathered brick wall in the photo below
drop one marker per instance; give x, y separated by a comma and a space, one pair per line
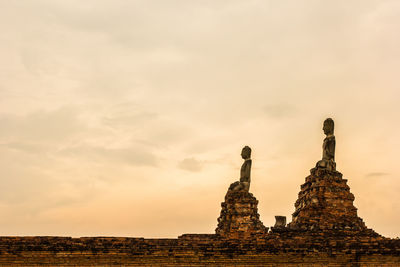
287, 259
273, 249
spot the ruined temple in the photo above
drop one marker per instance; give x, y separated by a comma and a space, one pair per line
325, 230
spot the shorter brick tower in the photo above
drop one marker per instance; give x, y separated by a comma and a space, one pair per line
239, 216
325, 202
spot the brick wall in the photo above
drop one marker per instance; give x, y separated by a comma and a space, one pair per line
272, 249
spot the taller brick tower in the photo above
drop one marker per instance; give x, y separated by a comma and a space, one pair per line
325, 201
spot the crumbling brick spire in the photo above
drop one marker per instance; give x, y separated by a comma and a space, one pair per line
325, 202
239, 216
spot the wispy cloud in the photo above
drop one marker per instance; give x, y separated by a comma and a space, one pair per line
41, 126
191, 164
134, 156
376, 174
279, 111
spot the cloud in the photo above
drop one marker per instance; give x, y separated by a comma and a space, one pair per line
23, 146
127, 115
41, 126
129, 120
134, 156
191, 164
279, 111
376, 174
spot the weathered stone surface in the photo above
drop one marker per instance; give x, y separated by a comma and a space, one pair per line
245, 170
280, 221
239, 216
328, 147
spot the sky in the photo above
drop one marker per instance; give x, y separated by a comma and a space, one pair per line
127, 118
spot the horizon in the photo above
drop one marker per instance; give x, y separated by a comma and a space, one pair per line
128, 118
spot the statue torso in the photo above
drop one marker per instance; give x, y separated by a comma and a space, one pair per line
245, 171
328, 148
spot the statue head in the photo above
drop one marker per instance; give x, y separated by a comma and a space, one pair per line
246, 152
329, 126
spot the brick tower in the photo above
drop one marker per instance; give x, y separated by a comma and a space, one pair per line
325, 202
239, 216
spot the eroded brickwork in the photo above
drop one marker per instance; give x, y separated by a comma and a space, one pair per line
273, 249
239, 216
325, 202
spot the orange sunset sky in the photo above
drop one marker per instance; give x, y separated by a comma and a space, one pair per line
127, 118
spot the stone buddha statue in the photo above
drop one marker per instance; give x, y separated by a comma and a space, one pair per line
328, 148
244, 181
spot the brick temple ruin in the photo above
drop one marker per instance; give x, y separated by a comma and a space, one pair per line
325, 231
